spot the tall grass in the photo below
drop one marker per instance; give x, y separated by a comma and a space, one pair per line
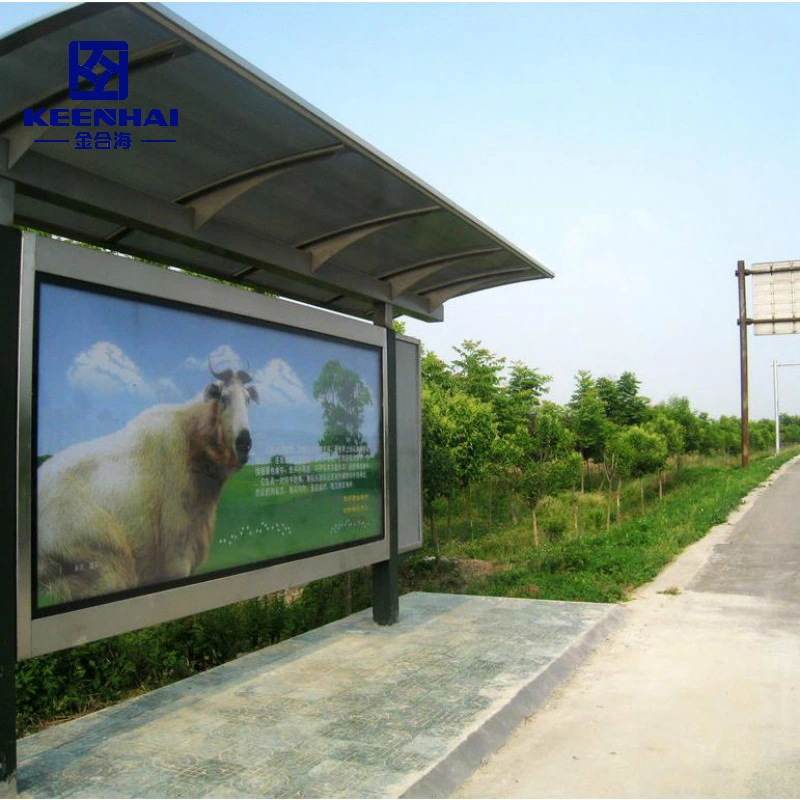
604, 566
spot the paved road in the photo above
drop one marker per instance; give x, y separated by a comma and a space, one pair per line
698, 694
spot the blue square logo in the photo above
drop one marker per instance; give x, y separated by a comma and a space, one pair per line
90, 60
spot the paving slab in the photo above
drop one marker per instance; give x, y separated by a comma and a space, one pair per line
348, 710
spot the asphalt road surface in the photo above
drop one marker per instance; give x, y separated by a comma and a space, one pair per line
697, 694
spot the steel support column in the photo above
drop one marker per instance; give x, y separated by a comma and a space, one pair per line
385, 574
777, 407
740, 274
10, 259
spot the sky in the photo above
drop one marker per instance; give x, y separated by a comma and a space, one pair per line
102, 360
637, 150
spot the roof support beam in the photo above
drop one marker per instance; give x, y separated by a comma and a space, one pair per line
325, 247
210, 200
403, 279
67, 186
21, 138
440, 295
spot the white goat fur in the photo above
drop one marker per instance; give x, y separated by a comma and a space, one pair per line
137, 506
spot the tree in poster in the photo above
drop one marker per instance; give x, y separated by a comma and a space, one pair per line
343, 397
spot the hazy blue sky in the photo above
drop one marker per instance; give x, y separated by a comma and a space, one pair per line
637, 150
103, 360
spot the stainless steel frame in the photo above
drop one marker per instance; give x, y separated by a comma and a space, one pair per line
70, 628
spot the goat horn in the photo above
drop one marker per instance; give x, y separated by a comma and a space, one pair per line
223, 376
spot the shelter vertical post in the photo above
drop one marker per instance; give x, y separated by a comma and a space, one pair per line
740, 274
385, 574
10, 261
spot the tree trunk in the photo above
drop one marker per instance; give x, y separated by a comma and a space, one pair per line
435, 534
535, 526
468, 502
641, 491
449, 514
660, 485
513, 508
584, 468
608, 513
575, 514
619, 499
348, 594
491, 493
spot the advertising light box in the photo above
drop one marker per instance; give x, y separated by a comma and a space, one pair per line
189, 445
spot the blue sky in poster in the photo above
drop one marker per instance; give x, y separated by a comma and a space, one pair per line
104, 359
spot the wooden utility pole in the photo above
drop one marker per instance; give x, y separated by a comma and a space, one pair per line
740, 274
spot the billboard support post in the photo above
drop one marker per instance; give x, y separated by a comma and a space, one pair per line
740, 274
777, 408
385, 574
10, 259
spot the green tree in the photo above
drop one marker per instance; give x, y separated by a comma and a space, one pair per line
624, 404
633, 407
517, 398
343, 397
475, 432
478, 371
551, 464
673, 435
679, 409
587, 418
439, 471
639, 452
435, 372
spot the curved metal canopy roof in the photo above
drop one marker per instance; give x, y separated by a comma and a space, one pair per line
260, 188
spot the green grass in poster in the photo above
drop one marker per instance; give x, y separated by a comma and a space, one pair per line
293, 519
253, 528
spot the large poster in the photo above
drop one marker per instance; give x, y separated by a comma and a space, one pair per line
173, 445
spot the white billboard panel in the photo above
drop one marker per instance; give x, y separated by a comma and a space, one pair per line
776, 294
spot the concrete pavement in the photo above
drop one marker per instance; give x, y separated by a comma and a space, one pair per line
348, 710
697, 694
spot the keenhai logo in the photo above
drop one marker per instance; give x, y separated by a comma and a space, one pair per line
98, 71
99, 81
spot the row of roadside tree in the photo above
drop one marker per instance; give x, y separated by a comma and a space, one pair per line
486, 422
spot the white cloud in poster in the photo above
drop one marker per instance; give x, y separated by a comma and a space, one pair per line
106, 370
225, 357
193, 363
219, 359
278, 385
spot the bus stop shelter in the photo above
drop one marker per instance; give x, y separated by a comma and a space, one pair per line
163, 145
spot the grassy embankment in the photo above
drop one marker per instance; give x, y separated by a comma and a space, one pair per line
595, 565
598, 565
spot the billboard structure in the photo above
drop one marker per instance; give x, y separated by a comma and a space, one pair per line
776, 297
184, 445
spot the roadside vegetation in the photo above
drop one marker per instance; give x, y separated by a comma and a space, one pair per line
522, 497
